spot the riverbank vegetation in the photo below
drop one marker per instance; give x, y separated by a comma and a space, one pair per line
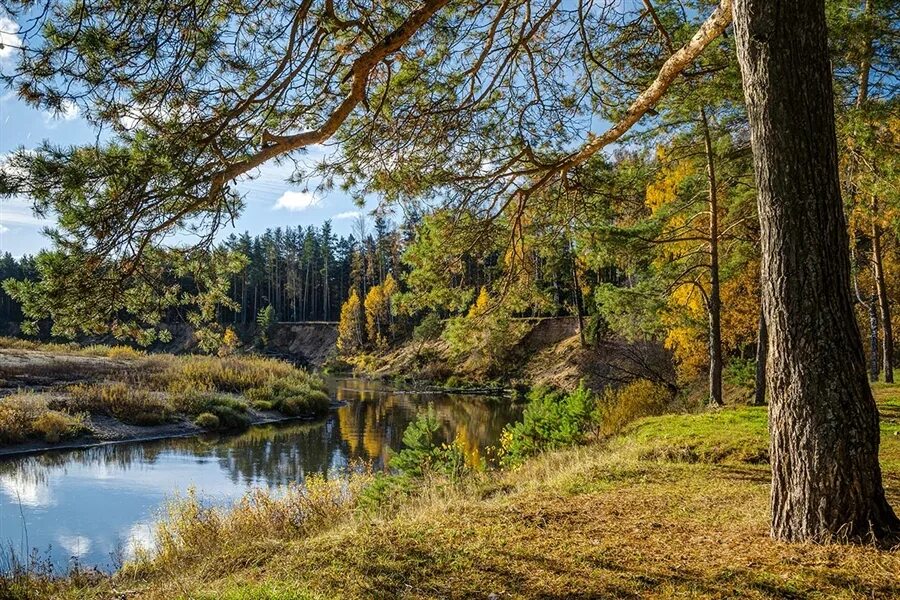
671, 506
135, 388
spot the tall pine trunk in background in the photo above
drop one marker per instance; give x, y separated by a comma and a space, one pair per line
762, 348
884, 303
714, 301
826, 479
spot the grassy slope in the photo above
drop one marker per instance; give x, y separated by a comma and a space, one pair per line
675, 507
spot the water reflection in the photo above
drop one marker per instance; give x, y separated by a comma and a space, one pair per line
100, 502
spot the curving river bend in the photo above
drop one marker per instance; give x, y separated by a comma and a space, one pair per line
95, 506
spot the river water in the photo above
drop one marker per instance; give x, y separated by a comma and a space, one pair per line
95, 506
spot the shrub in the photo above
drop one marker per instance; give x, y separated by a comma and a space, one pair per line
294, 396
265, 320
207, 420
230, 417
485, 336
551, 420
741, 372
230, 342
26, 415
54, 425
124, 352
230, 412
127, 403
640, 398
424, 452
18, 413
264, 405
228, 374
384, 490
429, 329
193, 529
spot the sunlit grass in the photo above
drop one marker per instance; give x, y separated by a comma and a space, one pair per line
674, 507
26, 416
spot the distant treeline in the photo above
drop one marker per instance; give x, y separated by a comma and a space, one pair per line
307, 273
14, 268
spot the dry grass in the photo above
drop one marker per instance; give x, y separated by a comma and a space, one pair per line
128, 403
151, 389
71, 348
676, 507
27, 415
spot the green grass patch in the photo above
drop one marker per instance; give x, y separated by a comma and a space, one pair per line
731, 435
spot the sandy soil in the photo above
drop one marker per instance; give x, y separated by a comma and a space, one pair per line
33, 369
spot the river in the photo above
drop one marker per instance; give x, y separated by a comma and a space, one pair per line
95, 506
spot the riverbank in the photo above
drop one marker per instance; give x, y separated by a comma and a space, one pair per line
674, 507
106, 431
549, 353
65, 398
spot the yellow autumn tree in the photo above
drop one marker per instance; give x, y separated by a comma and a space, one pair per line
482, 304
350, 327
378, 311
686, 335
230, 342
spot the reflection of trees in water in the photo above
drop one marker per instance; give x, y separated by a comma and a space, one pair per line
376, 417
372, 421
35, 467
277, 454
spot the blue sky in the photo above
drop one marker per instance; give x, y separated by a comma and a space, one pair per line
270, 201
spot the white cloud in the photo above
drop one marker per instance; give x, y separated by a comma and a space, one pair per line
18, 210
27, 490
296, 201
3, 228
10, 41
76, 546
139, 538
67, 112
350, 214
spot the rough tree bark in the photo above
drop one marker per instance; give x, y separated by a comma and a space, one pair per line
826, 480
579, 307
714, 301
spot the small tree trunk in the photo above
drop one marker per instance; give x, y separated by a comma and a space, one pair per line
884, 304
874, 364
762, 351
873, 316
579, 307
714, 301
826, 479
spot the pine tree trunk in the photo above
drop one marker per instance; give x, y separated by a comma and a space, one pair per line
884, 305
762, 351
826, 479
714, 302
579, 306
873, 316
874, 365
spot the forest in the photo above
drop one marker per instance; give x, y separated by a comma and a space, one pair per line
703, 196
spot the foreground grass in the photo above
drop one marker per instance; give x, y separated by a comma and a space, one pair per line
675, 507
